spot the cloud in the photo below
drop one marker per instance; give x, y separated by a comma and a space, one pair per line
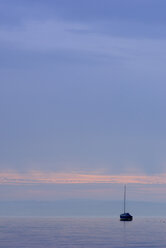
39, 177
54, 35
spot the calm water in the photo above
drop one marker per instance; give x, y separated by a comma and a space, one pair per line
81, 232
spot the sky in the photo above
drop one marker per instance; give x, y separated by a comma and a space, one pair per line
82, 99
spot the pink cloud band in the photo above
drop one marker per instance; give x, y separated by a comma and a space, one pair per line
37, 177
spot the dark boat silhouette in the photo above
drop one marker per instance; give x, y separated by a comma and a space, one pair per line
125, 216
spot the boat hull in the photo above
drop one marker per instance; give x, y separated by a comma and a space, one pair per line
126, 217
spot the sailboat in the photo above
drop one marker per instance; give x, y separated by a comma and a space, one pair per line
125, 216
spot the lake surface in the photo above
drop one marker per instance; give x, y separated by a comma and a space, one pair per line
82, 232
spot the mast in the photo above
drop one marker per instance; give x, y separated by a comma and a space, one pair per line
124, 198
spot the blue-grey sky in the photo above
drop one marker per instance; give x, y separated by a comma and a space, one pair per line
82, 86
